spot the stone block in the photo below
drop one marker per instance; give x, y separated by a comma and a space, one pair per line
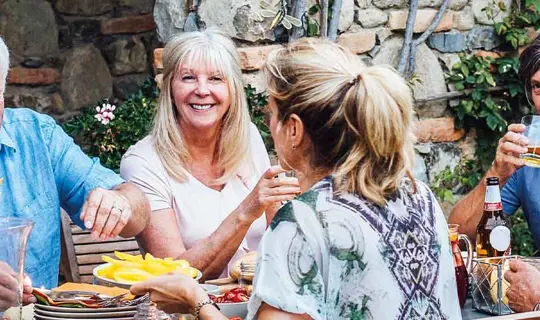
29, 76
420, 169
457, 4
359, 42
427, 69
140, 6
370, 18
85, 78
424, 17
256, 79
252, 58
488, 54
126, 85
131, 24
346, 17
363, 4
240, 19
464, 19
169, 17
387, 4
126, 56
29, 27
447, 41
483, 38
429, 3
35, 98
443, 155
478, 8
84, 7
437, 130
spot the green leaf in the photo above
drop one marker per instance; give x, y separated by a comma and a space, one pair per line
492, 122
313, 10
465, 70
489, 80
502, 6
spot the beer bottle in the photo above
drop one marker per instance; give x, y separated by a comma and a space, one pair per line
492, 233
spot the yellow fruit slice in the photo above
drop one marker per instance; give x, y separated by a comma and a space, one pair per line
176, 263
106, 272
190, 272
120, 263
130, 276
156, 268
128, 257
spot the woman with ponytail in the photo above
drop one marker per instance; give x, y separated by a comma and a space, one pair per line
364, 240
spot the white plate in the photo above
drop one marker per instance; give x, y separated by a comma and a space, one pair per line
87, 315
37, 317
83, 310
235, 309
111, 283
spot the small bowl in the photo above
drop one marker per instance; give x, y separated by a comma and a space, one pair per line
112, 283
211, 289
236, 309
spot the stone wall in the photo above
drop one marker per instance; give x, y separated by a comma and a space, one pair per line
374, 30
67, 54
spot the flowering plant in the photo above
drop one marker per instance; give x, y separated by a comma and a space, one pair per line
107, 131
105, 113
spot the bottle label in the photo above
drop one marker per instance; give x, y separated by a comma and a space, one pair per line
492, 206
492, 201
500, 238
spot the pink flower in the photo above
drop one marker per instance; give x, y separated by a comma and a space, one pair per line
105, 113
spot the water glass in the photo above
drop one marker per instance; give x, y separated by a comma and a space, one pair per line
532, 132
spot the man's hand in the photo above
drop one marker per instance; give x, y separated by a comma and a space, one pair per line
524, 291
511, 145
106, 213
9, 287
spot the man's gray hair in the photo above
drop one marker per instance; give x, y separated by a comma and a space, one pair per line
4, 64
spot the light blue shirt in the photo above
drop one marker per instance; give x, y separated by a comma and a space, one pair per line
43, 170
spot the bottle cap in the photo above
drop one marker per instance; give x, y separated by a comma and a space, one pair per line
492, 181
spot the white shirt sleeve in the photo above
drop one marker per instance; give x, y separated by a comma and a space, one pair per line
138, 166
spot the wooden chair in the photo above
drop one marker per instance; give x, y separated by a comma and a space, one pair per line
81, 253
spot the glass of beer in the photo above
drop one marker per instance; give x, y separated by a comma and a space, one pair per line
532, 132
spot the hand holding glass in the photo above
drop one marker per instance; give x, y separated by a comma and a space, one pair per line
532, 132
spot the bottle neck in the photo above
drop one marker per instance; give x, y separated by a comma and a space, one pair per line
492, 200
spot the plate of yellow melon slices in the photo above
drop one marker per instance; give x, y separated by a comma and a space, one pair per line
129, 269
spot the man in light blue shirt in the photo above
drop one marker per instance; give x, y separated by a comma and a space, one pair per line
43, 170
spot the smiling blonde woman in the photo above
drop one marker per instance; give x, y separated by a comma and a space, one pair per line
204, 166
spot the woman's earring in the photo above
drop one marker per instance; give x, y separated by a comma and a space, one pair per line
293, 147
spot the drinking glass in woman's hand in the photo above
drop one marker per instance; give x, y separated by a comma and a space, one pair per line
532, 132
271, 189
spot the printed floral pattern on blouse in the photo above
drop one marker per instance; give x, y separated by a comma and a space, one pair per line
341, 257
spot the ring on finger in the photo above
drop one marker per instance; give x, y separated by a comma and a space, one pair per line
117, 208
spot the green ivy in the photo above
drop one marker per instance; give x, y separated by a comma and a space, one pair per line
257, 103
513, 29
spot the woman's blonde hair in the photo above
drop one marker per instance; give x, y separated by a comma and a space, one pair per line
218, 52
359, 119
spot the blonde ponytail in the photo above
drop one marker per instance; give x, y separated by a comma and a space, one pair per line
358, 118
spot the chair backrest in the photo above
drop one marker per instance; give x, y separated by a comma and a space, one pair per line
81, 253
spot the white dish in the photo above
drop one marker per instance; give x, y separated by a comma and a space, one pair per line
211, 289
111, 283
86, 315
38, 317
83, 310
238, 309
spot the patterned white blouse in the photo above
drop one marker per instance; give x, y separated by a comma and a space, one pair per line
341, 257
